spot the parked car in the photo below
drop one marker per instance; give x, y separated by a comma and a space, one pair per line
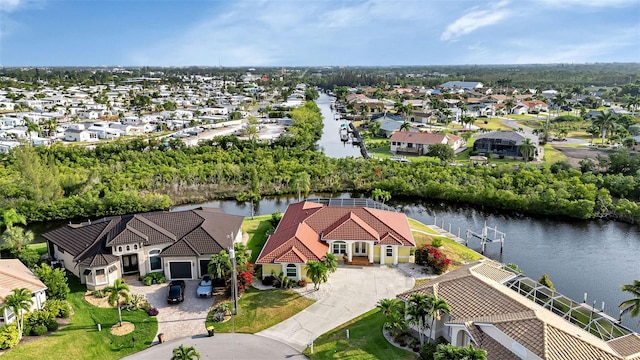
176, 292
205, 289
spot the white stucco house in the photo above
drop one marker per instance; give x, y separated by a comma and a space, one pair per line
14, 275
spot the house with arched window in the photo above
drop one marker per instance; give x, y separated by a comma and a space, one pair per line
355, 235
177, 243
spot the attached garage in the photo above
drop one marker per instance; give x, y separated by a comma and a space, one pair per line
180, 270
204, 266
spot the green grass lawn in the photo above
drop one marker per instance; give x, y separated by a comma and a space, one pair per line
261, 309
552, 155
365, 342
417, 225
81, 339
491, 124
257, 229
40, 248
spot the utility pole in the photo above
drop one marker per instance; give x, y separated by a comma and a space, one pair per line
234, 278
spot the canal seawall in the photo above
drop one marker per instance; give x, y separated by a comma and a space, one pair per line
358, 138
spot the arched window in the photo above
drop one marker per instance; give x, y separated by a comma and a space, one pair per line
292, 270
119, 248
135, 246
128, 248
155, 262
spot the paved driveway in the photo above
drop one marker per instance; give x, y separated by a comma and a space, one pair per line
350, 292
179, 320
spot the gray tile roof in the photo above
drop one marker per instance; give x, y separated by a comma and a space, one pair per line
201, 231
514, 136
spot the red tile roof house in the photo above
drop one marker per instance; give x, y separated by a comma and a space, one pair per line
308, 231
418, 142
178, 243
14, 275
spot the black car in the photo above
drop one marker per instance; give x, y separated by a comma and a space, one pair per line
176, 292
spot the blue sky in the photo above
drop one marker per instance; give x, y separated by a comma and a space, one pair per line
316, 32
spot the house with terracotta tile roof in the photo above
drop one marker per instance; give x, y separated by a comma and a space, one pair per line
418, 142
15, 275
177, 243
489, 314
308, 231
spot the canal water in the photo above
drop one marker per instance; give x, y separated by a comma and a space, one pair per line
593, 257
330, 141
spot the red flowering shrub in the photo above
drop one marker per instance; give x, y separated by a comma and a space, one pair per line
432, 256
245, 277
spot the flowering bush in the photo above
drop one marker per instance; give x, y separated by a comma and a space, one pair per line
152, 311
432, 256
245, 277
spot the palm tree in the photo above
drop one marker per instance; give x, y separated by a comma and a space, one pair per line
302, 184
418, 310
396, 322
406, 126
380, 195
631, 306
117, 290
471, 353
447, 113
15, 238
220, 265
317, 272
374, 128
437, 308
10, 217
446, 352
559, 101
593, 131
185, 353
330, 262
527, 149
509, 104
389, 306
604, 122
19, 302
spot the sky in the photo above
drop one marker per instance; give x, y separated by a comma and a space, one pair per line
316, 32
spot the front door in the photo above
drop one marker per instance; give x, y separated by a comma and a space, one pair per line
360, 248
129, 264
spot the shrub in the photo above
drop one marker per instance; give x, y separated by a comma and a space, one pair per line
302, 283
58, 308
437, 242
37, 322
150, 278
431, 256
52, 326
152, 311
136, 301
427, 351
9, 336
98, 293
55, 280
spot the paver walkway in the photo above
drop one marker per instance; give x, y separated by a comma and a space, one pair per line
350, 292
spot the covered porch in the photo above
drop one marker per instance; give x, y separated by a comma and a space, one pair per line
364, 253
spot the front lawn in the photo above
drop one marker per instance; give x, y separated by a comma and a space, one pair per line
365, 342
417, 225
257, 229
261, 309
458, 253
81, 338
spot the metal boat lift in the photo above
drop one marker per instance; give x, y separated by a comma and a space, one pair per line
498, 236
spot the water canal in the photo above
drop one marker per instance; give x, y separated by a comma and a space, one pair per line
593, 257
330, 141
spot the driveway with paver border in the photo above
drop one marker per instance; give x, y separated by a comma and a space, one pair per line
176, 320
350, 292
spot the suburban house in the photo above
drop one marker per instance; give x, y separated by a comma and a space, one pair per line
511, 317
389, 123
465, 85
418, 142
178, 243
358, 235
506, 143
15, 275
79, 135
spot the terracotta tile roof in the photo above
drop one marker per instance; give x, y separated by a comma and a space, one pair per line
304, 223
628, 345
202, 231
14, 275
479, 301
292, 256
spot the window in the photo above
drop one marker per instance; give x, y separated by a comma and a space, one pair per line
10, 315
389, 251
292, 271
100, 277
112, 268
155, 262
87, 272
119, 248
61, 250
339, 247
128, 248
135, 247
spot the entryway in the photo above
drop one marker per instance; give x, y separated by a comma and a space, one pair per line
130, 264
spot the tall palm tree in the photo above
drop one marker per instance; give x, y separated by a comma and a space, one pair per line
116, 291
405, 126
374, 127
437, 307
527, 149
418, 310
330, 262
220, 265
509, 104
631, 306
559, 101
19, 302
185, 353
302, 184
317, 272
593, 131
604, 122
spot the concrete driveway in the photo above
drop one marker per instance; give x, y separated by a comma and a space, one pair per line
350, 292
178, 320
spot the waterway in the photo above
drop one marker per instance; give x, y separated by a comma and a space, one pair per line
330, 141
593, 257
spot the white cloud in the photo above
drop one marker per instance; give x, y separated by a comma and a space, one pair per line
474, 20
588, 3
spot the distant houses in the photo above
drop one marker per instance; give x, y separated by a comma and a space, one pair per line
504, 143
417, 143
